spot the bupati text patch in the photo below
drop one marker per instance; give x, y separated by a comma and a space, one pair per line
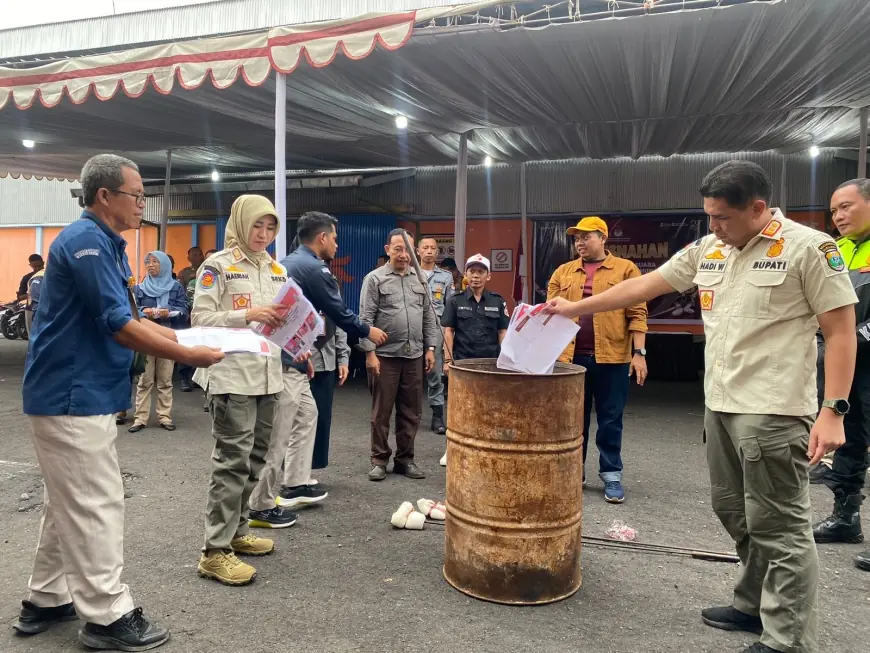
766, 264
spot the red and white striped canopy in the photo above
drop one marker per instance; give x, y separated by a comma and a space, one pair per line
222, 60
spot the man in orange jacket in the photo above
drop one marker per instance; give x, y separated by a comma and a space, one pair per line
611, 346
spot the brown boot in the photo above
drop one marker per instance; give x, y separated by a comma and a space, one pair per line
226, 568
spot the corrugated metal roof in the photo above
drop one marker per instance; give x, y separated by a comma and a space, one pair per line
38, 202
192, 21
576, 186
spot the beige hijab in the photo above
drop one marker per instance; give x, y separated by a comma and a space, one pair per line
246, 210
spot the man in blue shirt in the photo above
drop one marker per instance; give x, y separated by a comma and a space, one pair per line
295, 428
77, 376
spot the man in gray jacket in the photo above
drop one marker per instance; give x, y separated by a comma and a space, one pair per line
394, 300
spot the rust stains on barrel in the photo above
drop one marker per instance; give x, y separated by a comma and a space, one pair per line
514, 483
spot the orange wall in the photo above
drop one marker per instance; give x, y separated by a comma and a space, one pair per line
207, 235
17, 245
178, 241
481, 237
48, 236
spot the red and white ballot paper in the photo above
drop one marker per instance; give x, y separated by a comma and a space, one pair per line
534, 340
302, 324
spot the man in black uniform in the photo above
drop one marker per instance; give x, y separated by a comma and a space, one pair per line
475, 321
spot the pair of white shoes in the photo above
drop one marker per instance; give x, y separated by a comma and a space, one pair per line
407, 517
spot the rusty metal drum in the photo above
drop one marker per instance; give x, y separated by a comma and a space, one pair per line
514, 483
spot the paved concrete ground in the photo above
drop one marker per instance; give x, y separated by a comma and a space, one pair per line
343, 580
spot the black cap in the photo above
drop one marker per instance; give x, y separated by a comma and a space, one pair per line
449, 263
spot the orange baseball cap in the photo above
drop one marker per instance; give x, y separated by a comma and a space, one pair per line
592, 223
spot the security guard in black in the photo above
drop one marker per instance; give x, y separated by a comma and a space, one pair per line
478, 325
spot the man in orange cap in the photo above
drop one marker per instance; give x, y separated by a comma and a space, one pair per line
611, 346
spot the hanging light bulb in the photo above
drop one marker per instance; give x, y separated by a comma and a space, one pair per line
215, 176
28, 143
487, 161
402, 122
814, 151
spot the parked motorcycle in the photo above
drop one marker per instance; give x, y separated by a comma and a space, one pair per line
12, 323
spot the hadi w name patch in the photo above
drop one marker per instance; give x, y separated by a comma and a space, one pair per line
767, 264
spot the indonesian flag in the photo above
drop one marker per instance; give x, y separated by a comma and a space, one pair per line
518, 276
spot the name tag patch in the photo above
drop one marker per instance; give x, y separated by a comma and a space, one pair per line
491, 308
87, 252
706, 298
764, 264
713, 266
229, 276
278, 279
463, 308
241, 301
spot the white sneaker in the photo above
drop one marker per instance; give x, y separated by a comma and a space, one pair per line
443, 461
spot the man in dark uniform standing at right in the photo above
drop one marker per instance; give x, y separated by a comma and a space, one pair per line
475, 321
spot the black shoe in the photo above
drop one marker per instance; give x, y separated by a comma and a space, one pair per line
819, 473
862, 560
302, 495
120, 419
730, 618
843, 525
438, 420
378, 473
168, 426
410, 470
33, 619
135, 428
185, 385
132, 632
758, 647
274, 518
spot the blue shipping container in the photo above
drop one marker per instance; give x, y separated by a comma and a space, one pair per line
361, 240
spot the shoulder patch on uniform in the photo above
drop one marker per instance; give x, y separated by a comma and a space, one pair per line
87, 252
772, 229
277, 269
832, 255
208, 277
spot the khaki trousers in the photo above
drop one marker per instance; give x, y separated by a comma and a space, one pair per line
158, 371
760, 489
80, 553
292, 441
242, 429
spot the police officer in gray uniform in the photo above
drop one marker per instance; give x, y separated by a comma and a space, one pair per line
441, 289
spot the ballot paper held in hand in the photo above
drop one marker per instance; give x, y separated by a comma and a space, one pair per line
535, 340
301, 326
229, 341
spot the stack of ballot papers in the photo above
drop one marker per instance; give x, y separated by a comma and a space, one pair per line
301, 326
535, 340
229, 341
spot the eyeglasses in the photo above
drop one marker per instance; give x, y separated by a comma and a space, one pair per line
140, 197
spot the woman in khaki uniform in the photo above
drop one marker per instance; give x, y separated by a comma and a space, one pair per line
236, 287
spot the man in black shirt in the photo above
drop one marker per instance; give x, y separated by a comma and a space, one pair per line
36, 264
475, 321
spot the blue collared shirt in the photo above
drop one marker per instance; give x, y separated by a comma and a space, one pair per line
74, 366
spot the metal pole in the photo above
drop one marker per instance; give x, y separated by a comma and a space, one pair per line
783, 196
862, 144
280, 164
164, 218
524, 225
461, 201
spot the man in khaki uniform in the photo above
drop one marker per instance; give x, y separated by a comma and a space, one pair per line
765, 284
235, 288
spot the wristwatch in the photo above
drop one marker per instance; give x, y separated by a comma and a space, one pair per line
431, 348
639, 352
839, 406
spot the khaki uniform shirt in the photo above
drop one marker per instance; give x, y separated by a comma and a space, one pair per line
228, 285
759, 307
